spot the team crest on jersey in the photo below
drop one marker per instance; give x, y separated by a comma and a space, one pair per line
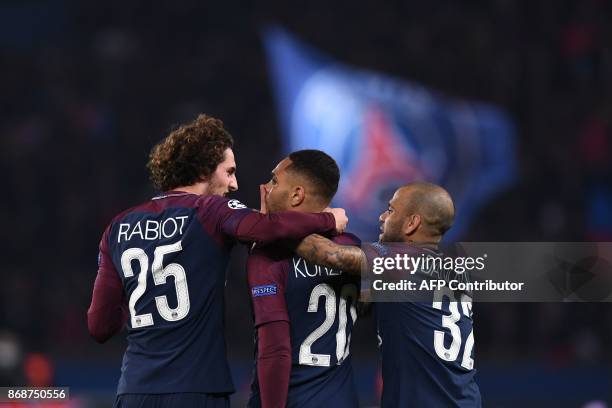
235, 204
264, 290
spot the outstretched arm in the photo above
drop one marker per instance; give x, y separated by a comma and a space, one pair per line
231, 219
322, 251
266, 228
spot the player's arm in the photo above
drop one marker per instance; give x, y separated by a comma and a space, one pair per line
273, 363
107, 313
252, 226
322, 251
267, 281
265, 228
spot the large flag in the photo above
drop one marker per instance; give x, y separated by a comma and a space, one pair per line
385, 132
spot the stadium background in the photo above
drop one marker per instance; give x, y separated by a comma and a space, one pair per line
87, 88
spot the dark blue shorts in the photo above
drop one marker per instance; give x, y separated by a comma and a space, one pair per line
176, 400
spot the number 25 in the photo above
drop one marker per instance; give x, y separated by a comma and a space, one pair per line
160, 274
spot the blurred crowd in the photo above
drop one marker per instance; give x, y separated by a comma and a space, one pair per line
87, 88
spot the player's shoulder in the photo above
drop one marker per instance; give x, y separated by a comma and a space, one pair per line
274, 252
156, 204
178, 199
265, 263
347, 238
389, 249
121, 216
220, 202
131, 210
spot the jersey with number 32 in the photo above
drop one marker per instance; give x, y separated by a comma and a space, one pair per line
427, 347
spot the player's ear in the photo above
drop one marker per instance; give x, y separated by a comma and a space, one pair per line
411, 224
297, 196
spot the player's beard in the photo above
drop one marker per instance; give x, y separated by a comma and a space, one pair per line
217, 187
391, 232
277, 201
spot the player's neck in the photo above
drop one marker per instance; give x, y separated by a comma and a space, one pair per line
308, 207
422, 240
197, 188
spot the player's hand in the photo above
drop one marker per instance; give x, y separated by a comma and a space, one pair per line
341, 218
262, 199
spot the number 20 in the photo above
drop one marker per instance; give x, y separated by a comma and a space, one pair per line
348, 291
160, 274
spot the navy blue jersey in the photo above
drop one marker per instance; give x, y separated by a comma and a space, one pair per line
320, 304
427, 347
171, 254
176, 400
167, 258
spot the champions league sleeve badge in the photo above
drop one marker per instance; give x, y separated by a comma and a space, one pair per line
235, 205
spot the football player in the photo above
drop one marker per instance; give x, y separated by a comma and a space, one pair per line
162, 270
304, 313
427, 346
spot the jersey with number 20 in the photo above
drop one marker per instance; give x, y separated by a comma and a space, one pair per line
320, 305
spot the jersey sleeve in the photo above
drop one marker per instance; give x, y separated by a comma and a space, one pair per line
108, 312
267, 282
346, 239
274, 363
372, 251
231, 219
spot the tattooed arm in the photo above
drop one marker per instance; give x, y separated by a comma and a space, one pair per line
321, 251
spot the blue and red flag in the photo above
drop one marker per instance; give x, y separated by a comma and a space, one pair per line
385, 132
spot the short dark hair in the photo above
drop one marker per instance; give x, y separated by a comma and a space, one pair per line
434, 204
189, 154
319, 168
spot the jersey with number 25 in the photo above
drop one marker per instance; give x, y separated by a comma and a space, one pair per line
171, 254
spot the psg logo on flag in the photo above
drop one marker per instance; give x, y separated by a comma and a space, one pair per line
385, 133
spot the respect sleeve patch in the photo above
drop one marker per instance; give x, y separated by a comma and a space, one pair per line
264, 290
